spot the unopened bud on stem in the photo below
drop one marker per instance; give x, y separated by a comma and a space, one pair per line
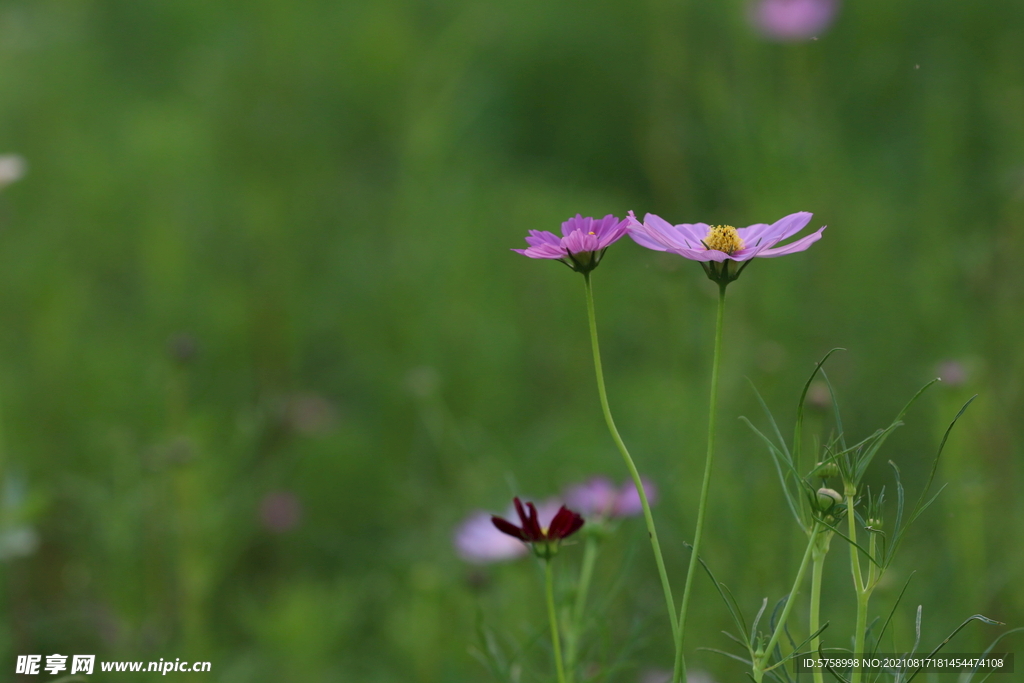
826, 470
828, 498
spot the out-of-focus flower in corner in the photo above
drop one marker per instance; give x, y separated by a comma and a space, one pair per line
600, 498
280, 511
12, 168
544, 540
793, 20
18, 541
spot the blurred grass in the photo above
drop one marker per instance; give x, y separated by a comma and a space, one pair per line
322, 195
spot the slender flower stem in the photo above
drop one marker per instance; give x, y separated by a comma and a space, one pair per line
818, 559
862, 626
862, 590
761, 662
553, 618
679, 673
873, 573
582, 588
629, 461
858, 581
586, 572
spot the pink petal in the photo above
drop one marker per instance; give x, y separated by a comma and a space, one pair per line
793, 247
785, 227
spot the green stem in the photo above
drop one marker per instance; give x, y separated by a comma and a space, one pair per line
553, 618
873, 572
862, 626
863, 594
816, 570
761, 661
651, 532
679, 672
858, 580
582, 588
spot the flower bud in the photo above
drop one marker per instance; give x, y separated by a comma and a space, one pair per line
826, 470
828, 498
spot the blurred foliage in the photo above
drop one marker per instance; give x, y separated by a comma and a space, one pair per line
263, 247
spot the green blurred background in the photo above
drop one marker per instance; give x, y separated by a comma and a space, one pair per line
263, 343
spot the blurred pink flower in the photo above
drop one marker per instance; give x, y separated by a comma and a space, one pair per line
952, 372
478, 541
280, 511
793, 20
599, 497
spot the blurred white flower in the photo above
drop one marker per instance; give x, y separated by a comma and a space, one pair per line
18, 541
12, 168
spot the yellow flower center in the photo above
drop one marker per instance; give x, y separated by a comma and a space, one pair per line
723, 238
591, 232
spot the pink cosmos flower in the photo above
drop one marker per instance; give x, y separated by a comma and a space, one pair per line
478, 541
722, 250
599, 497
582, 244
793, 20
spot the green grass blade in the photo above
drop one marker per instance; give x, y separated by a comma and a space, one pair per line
849, 540
783, 478
835, 409
797, 430
989, 649
757, 619
888, 619
727, 654
727, 597
942, 445
771, 419
974, 617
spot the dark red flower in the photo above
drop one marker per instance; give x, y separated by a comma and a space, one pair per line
543, 540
